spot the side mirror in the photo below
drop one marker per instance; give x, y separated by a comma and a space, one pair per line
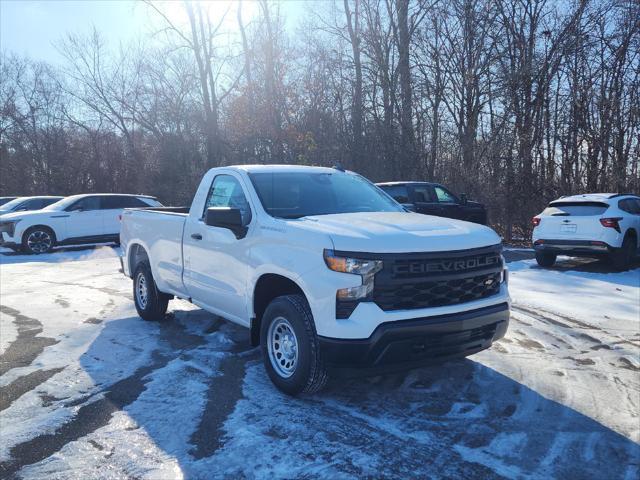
226, 217
77, 209
463, 198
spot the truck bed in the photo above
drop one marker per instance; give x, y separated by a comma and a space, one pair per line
159, 231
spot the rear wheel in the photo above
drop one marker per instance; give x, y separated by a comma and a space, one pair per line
38, 240
622, 257
151, 304
545, 259
290, 347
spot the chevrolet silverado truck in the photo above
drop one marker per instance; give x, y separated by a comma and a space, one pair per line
329, 273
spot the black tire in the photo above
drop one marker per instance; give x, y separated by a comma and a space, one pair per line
38, 240
545, 259
622, 257
152, 305
309, 374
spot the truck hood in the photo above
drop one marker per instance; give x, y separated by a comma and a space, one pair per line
398, 232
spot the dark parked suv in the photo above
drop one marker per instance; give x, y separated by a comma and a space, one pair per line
434, 199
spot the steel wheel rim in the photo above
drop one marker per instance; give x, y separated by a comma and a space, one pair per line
142, 293
282, 344
39, 241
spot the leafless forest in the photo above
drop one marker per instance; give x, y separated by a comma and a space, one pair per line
514, 102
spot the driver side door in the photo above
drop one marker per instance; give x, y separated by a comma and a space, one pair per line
449, 204
216, 263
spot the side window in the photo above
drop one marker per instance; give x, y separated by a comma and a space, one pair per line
398, 192
630, 205
86, 204
423, 194
116, 202
226, 191
33, 204
625, 205
444, 196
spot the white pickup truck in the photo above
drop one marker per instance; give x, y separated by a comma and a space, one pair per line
328, 272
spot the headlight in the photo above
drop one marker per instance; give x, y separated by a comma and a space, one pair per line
347, 298
351, 265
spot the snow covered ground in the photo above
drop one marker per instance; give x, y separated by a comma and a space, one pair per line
89, 390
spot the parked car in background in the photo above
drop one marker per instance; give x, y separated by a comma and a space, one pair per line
24, 204
435, 199
591, 225
325, 270
4, 200
79, 219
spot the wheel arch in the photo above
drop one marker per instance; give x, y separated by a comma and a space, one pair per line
267, 287
39, 225
136, 254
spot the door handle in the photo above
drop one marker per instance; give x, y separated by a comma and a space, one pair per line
196, 236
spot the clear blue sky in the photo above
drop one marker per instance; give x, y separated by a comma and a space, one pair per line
33, 27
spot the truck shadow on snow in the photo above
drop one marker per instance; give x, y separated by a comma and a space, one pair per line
198, 391
204, 399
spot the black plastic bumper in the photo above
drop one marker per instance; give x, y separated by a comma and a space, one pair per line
412, 343
573, 248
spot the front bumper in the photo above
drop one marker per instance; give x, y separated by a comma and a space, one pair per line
412, 343
7, 240
574, 248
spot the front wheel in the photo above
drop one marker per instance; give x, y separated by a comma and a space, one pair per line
622, 257
290, 347
151, 304
545, 259
38, 240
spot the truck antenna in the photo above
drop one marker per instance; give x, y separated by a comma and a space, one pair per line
338, 166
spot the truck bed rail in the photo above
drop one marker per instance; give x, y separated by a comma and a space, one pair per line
176, 210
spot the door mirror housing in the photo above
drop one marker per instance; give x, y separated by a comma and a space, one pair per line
226, 217
463, 198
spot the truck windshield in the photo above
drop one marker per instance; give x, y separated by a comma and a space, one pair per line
302, 194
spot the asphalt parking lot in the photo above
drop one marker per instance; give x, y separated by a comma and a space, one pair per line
89, 390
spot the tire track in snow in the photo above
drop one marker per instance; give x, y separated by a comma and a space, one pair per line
27, 346
208, 438
89, 418
175, 340
574, 324
21, 385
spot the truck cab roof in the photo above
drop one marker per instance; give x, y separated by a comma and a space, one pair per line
282, 168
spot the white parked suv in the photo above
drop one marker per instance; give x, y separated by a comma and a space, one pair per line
327, 271
79, 219
590, 225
